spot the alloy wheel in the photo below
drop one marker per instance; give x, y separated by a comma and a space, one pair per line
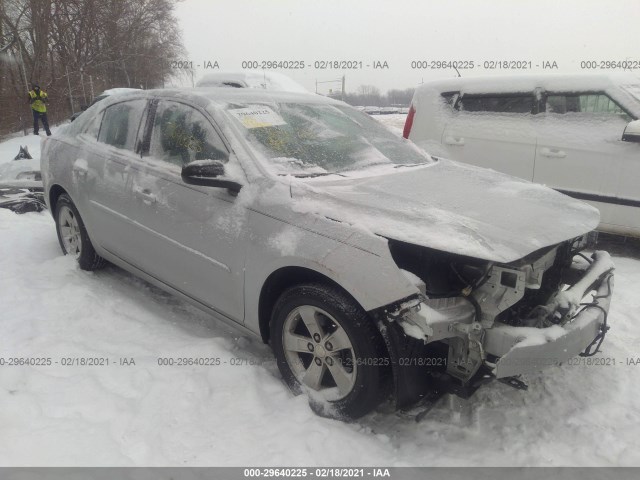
70, 232
319, 352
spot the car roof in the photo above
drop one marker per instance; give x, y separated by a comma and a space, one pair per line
114, 91
222, 96
527, 83
252, 79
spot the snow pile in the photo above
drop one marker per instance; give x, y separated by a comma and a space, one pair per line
394, 122
10, 148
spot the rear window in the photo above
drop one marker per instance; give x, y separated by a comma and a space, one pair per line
120, 124
583, 103
319, 138
497, 103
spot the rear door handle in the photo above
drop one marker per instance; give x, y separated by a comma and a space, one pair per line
552, 152
145, 195
451, 140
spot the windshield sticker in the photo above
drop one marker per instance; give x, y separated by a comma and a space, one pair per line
257, 116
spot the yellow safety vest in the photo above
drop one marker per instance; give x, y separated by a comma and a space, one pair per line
38, 105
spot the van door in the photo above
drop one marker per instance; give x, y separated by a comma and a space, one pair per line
494, 131
581, 153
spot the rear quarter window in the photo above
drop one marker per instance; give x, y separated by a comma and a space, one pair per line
588, 103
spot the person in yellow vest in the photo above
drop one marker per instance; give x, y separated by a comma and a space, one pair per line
38, 99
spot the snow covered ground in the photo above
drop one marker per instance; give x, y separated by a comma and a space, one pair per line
239, 412
394, 121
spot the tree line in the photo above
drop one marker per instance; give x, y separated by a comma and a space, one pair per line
75, 49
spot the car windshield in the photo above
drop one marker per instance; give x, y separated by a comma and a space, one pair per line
315, 139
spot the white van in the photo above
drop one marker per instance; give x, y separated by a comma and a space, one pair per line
579, 134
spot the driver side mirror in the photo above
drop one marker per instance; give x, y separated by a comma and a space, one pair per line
632, 132
208, 173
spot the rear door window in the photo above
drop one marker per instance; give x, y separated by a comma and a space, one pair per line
120, 124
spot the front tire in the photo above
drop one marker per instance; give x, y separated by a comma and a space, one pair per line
72, 235
327, 346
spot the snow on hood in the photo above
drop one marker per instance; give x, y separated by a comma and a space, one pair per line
452, 207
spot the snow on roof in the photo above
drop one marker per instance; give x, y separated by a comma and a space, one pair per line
114, 91
526, 83
252, 79
616, 85
223, 96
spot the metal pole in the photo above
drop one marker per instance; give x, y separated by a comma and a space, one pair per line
69, 83
84, 92
24, 72
26, 85
342, 96
91, 86
124, 68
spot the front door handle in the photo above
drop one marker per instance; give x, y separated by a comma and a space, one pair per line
552, 152
145, 195
453, 140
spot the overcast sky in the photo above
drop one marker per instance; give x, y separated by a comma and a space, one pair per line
401, 31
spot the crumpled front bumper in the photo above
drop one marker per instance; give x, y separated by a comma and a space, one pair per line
526, 349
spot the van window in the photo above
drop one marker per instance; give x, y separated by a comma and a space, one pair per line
451, 99
497, 103
583, 103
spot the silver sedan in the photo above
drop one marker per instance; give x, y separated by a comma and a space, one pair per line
374, 270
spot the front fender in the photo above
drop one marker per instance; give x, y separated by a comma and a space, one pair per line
371, 277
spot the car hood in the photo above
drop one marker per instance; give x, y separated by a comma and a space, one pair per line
451, 207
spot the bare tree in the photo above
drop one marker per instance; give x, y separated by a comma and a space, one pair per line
70, 45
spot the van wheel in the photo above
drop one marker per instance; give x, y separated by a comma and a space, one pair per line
326, 346
73, 236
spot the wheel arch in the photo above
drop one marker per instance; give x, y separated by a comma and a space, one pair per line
54, 193
281, 279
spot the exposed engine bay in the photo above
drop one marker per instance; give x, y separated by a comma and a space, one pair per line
471, 314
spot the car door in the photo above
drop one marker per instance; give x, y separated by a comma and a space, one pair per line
192, 238
104, 165
580, 152
493, 131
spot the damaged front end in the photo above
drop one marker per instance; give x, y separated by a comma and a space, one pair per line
474, 321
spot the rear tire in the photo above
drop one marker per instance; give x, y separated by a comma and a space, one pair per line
72, 235
326, 345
